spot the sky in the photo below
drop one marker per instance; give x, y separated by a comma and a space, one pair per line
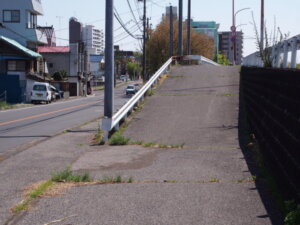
283, 13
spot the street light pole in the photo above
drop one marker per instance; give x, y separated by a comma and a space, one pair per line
234, 32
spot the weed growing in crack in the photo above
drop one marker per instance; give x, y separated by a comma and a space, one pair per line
37, 192
214, 180
67, 176
118, 139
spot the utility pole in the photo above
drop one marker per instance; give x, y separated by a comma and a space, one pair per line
109, 60
188, 45
144, 44
262, 24
180, 29
233, 36
171, 31
85, 72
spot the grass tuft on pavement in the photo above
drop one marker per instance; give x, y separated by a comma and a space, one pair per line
36, 193
67, 175
118, 139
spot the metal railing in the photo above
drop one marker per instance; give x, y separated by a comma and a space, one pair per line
108, 124
201, 59
279, 54
3, 97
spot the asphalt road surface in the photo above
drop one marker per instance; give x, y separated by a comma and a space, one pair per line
207, 182
20, 128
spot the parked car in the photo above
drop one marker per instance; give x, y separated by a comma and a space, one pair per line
131, 90
56, 93
41, 92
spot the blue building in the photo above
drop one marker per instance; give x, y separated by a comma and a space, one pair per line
210, 28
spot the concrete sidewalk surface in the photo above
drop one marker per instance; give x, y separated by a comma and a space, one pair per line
207, 182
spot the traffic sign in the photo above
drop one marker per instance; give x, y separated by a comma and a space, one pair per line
233, 28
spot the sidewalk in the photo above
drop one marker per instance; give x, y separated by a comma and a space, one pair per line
207, 182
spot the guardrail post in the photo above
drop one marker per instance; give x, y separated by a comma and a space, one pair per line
106, 127
285, 53
294, 52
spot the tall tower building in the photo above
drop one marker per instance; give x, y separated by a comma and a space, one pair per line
93, 39
226, 46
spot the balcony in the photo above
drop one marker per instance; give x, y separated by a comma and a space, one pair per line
37, 7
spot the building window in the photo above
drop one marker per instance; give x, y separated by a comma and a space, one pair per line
32, 20
11, 16
16, 65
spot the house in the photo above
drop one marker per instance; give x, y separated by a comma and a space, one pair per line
19, 21
66, 58
20, 67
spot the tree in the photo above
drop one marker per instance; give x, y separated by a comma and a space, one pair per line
133, 69
60, 75
158, 44
223, 60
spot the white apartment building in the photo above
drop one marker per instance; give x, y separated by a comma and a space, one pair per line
18, 21
93, 39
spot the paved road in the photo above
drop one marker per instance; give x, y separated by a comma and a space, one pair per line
207, 182
22, 127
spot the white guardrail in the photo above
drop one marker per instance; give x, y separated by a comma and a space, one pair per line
200, 59
109, 124
279, 55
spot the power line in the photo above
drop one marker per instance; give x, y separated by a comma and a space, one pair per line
117, 16
133, 15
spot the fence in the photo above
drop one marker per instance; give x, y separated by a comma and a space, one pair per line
272, 101
10, 84
3, 97
279, 56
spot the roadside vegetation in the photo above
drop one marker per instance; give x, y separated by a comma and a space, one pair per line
5, 106
60, 181
158, 44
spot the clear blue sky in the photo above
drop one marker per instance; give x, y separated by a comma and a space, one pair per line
286, 13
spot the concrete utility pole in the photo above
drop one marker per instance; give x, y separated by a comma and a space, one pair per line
262, 24
171, 31
109, 60
188, 45
85, 72
144, 44
180, 29
232, 34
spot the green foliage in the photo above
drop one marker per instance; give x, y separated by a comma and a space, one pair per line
37, 192
223, 60
4, 105
292, 213
60, 75
67, 175
133, 69
118, 139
